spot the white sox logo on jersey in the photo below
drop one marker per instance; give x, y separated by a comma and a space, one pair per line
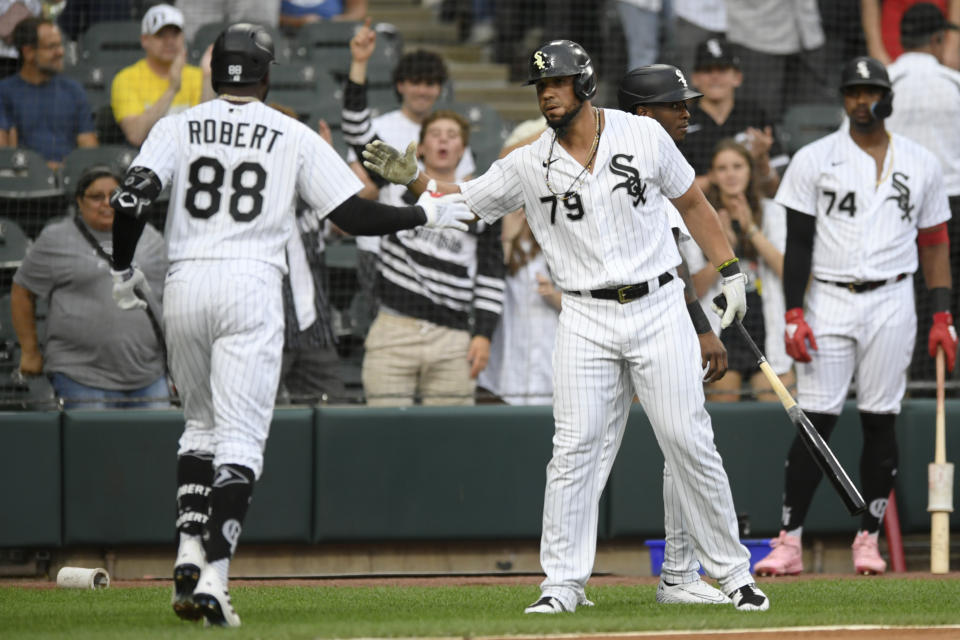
635, 187
903, 195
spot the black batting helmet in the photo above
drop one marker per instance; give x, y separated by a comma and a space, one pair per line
864, 70
655, 83
559, 58
242, 54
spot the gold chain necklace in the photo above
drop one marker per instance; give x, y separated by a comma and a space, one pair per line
578, 181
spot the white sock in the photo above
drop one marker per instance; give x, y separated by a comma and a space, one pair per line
796, 533
222, 567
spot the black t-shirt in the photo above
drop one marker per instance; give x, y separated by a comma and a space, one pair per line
703, 133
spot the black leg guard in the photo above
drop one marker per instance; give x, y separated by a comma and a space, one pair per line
229, 499
194, 477
878, 466
802, 475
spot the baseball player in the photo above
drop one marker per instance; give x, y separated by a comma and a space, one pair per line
661, 92
235, 167
592, 186
862, 206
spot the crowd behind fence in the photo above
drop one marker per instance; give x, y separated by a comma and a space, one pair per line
100, 76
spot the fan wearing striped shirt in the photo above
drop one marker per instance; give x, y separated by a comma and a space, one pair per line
440, 292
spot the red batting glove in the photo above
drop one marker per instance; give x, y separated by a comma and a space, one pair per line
797, 334
942, 334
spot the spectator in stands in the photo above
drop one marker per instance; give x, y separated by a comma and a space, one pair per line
296, 13
418, 80
722, 114
96, 355
757, 230
780, 45
79, 15
646, 24
39, 108
441, 294
881, 26
696, 21
162, 82
12, 12
197, 13
926, 109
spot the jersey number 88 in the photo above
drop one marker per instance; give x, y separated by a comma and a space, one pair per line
212, 185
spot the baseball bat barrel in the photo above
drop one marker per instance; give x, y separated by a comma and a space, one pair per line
818, 448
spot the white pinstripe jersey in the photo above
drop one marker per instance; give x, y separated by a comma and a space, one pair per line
614, 231
865, 230
926, 109
236, 171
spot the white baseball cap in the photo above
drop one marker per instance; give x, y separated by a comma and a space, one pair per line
160, 16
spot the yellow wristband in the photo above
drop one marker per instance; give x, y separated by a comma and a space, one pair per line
728, 263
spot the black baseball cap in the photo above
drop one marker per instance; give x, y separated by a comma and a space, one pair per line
922, 19
715, 52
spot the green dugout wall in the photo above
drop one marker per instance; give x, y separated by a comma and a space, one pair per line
359, 474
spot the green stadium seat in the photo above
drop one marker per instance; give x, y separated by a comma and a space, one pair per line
13, 244
118, 157
24, 174
111, 41
804, 123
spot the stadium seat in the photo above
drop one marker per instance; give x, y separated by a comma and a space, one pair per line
18, 392
804, 123
487, 131
309, 105
29, 193
111, 41
118, 157
382, 100
13, 244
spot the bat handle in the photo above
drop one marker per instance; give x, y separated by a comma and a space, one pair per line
721, 302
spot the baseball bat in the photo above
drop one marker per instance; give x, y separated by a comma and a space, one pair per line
814, 442
940, 484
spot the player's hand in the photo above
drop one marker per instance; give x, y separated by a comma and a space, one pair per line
942, 334
734, 291
363, 42
759, 141
713, 356
444, 211
478, 355
125, 284
797, 334
31, 362
386, 161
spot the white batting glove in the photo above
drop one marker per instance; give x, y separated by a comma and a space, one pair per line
734, 291
444, 211
125, 284
386, 161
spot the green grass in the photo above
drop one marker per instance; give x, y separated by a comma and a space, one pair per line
320, 612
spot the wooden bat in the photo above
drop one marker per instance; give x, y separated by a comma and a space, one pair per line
814, 442
940, 484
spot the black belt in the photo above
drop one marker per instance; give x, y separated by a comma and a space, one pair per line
626, 293
860, 287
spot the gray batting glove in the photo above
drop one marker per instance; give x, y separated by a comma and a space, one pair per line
386, 161
444, 211
125, 285
734, 291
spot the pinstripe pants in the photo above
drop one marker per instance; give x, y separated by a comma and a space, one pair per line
604, 352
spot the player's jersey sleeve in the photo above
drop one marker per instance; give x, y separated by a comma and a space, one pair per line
676, 174
498, 191
159, 150
935, 207
324, 180
798, 188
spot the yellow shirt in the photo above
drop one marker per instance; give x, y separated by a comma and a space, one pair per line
137, 87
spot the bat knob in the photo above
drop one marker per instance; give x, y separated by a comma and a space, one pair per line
721, 301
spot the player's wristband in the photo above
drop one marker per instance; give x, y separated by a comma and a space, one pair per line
413, 179
730, 267
940, 299
700, 323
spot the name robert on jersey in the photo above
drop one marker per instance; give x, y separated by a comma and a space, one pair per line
210, 131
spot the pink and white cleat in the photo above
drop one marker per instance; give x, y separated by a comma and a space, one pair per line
866, 555
786, 559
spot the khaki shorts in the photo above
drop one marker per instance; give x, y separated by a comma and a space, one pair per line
407, 358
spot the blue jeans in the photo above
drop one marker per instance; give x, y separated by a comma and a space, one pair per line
80, 396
